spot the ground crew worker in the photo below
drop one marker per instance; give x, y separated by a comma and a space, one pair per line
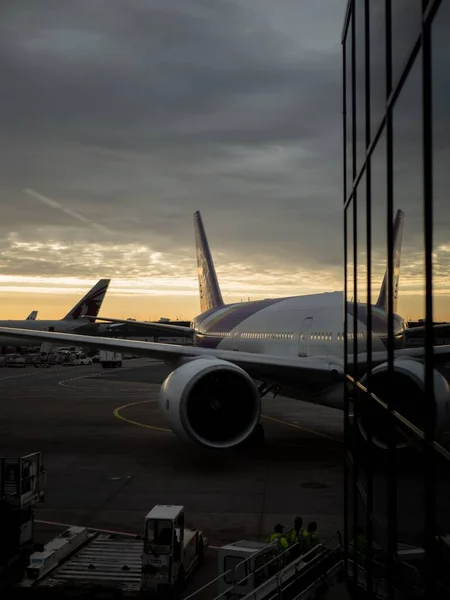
313, 539
297, 538
281, 545
313, 536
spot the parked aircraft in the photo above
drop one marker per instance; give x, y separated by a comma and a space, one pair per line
293, 346
72, 322
32, 316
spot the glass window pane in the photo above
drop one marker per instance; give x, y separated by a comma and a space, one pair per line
348, 116
441, 171
377, 63
360, 84
408, 195
378, 253
361, 263
350, 277
406, 25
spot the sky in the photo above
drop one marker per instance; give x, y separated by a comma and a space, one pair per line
119, 119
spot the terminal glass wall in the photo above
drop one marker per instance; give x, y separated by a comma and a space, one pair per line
396, 153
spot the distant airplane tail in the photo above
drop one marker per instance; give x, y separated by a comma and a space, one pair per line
382, 301
210, 294
91, 303
32, 316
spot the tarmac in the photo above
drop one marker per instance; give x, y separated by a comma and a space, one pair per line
110, 458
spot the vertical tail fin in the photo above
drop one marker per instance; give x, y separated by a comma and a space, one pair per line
32, 316
210, 294
382, 301
91, 303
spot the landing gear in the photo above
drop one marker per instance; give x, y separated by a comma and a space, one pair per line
267, 388
256, 439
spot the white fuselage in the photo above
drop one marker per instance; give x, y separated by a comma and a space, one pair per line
306, 326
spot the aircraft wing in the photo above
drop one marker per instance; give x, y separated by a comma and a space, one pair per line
270, 368
440, 352
419, 331
164, 327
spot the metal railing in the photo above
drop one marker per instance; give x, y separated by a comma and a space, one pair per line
288, 575
233, 570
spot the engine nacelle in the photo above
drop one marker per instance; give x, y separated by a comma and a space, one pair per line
408, 391
211, 402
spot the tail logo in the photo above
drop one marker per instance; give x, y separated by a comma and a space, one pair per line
89, 306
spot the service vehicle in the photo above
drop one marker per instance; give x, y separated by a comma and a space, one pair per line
110, 359
83, 359
42, 360
15, 360
156, 565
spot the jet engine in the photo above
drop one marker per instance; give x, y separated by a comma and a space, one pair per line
407, 390
211, 402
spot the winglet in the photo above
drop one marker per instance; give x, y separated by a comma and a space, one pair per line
91, 303
210, 294
32, 316
382, 301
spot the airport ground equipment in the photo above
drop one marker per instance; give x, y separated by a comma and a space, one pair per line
110, 359
259, 572
155, 565
22, 486
239, 563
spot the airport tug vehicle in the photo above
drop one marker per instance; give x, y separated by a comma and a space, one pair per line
171, 552
156, 566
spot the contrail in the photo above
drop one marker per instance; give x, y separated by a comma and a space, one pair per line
68, 211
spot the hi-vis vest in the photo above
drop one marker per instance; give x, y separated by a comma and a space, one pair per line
282, 543
302, 537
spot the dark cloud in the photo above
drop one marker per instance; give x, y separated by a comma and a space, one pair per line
136, 114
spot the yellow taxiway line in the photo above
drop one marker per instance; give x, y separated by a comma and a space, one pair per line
117, 411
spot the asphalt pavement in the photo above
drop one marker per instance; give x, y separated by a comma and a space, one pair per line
110, 457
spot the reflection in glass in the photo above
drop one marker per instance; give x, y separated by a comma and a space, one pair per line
361, 263
406, 24
378, 255
441, 171
350, 280
377, 63
360, 84
408, 194
348, 116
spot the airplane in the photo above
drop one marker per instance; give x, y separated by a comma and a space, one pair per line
289, 346
72, 322
32, 316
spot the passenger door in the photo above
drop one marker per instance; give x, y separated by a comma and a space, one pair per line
304, 336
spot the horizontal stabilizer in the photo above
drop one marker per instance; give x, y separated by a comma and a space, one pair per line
164, 327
